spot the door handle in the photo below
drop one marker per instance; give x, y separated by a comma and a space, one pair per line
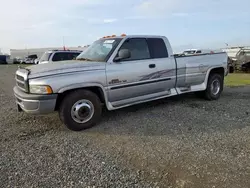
151, 66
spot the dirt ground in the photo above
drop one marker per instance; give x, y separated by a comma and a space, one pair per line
177, 142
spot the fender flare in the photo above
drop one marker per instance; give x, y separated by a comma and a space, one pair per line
85, 85
209, 71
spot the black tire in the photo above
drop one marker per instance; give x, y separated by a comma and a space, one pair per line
69, 101
231, 69
208, 94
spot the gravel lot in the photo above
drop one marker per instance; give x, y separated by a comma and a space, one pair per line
177, 142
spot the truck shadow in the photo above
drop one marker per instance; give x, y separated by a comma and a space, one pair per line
170, 116
176, 115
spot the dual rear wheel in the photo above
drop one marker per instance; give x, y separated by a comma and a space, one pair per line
214, 87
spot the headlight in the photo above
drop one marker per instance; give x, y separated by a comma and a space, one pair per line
40, 89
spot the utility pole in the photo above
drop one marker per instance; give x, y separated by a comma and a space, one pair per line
63, 44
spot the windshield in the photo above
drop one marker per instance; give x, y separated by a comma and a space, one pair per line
45, 57
99, 50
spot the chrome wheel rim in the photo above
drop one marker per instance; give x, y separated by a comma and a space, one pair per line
215, 87
82, 111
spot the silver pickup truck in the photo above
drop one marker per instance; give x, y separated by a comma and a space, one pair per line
116, 72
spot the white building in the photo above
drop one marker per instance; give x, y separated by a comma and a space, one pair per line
22, 53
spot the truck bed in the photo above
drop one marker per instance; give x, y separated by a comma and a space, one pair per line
192, 70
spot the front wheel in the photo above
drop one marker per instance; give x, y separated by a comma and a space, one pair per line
80, 109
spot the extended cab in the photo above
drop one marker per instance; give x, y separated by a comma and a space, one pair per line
116, 72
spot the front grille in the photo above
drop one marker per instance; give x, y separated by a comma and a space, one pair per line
21, 80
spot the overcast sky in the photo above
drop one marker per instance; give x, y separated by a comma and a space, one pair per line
187, 23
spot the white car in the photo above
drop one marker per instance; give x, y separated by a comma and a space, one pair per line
58, 55
28, 61
36, 61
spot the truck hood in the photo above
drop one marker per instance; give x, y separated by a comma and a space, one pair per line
62, 67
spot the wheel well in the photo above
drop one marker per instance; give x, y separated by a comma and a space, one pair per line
97, 90
219, 70
231, 69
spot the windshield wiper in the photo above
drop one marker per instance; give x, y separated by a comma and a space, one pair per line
84, 59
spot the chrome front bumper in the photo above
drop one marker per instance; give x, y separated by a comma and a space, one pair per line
34, 104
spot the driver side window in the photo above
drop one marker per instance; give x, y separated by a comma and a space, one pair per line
138, 49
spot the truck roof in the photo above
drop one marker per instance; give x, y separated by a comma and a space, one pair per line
51, 51
135, 36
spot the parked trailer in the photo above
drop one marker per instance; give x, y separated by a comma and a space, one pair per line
239, 58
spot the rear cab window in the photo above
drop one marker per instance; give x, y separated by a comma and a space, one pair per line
157, 48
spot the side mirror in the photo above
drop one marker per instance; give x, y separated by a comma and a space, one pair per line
123, 54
